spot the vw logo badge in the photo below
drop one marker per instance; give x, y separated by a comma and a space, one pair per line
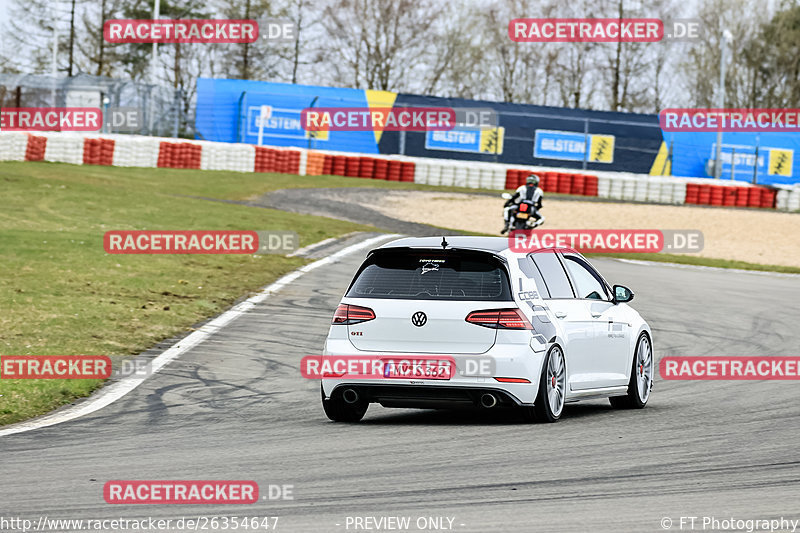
419, 319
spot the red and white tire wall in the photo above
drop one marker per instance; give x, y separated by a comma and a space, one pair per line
152, 152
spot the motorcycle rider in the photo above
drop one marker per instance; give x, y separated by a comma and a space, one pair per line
530, 192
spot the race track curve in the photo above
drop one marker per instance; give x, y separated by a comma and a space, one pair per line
235, 407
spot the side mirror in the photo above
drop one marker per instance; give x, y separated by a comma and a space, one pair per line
622, 294
505, 196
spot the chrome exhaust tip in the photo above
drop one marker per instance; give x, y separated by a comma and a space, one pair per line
488, 400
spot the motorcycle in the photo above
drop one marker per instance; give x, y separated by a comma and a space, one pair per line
521, 214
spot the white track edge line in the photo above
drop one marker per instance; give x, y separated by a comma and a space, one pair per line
117, 390
319, 244
304, 250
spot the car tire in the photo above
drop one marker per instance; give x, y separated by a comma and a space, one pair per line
338, 410
641, 382
549, 404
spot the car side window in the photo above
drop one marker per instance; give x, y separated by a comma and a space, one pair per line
529, 269
586, 283
555, 279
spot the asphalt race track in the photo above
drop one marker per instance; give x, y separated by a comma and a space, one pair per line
235, 407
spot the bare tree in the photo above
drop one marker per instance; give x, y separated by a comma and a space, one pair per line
659, 65
430, 47
95, 55
283, 60
32, 25
485, 63
456, 63
379, 44
626, 65
246, 60
772, 56
700, 68
512, 64
575, 72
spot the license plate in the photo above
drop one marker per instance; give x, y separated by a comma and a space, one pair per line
427, 369
522, 215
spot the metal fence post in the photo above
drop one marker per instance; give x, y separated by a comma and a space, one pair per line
176, 99
755, 163
586, 145
402, 143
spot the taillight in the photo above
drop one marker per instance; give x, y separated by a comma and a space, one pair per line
499, 319
352, 314
523, 207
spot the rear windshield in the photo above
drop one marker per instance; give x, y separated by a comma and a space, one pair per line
431, 275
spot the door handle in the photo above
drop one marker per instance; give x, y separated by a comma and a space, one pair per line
560, 314
597, 315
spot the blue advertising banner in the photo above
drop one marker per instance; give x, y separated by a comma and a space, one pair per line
230, 111
741, 160
618, 141
461, 139
283, 122
565, 145
571, 146
692, 151
457, 140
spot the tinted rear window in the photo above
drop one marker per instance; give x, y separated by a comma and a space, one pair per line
435, 275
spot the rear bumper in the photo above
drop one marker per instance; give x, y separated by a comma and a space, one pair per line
427, 397
509, 360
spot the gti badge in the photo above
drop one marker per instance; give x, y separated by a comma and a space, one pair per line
419, 319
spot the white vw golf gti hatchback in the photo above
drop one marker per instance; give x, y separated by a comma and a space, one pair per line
530, 331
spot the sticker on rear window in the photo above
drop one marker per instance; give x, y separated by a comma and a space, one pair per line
429, 267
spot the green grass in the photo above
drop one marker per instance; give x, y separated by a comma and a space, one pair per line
61, 294
207, 183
